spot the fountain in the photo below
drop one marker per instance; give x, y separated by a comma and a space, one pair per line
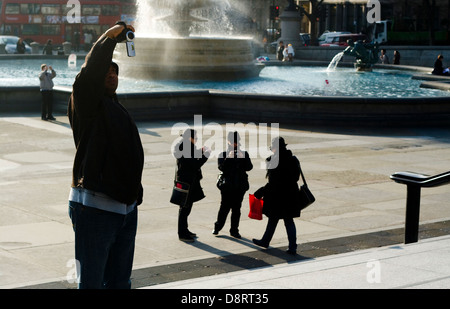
178, 54
281, 94
335, 61
366, 54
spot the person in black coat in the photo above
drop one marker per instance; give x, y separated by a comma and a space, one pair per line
189, 162
48, 48
280, 194
439, 67
20, 46
396, 57
280, 51
234, 164
106, 185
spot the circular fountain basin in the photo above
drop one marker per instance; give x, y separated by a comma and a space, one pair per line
285, 94
189, 58
273, 80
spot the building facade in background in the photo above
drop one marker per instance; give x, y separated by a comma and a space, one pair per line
410, 21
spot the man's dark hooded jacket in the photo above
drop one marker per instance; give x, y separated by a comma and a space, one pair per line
109, 156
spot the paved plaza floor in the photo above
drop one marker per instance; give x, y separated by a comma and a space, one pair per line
347, 169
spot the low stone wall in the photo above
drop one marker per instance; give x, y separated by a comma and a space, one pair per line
20, 99
332, 111
166, 105
242, 107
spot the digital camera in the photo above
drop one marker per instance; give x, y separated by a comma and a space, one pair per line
127, 36
131, 51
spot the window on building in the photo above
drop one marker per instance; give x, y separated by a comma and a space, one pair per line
30, 29
51, 29
30, 8
110, 10
12, 8
91, 9
51, 9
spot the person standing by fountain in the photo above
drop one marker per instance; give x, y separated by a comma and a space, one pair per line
190, 159
280, 51
20, 46
396, 57
48, 48
46, 86
383, 57
290, 52
234, 164
106, 181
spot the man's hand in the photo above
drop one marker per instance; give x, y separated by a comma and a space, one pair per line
116, 30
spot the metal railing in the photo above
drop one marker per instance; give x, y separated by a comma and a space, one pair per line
414, 182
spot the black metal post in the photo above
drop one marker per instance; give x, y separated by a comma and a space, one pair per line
412, 214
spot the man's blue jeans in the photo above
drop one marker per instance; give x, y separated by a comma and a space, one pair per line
104, 246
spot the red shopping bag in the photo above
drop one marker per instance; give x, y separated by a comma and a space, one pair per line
256, 207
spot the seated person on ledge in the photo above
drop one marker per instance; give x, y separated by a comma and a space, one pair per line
439, 68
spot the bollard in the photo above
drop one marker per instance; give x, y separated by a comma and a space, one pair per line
412, 214
67, 48
414, 182
34, 47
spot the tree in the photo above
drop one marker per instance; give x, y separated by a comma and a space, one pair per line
316, 11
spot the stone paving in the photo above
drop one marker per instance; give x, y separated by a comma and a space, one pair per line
347, 169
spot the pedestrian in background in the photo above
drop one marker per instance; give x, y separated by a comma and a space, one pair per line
76, 41
383, 57
280, 51
190, 159
20, 46
439, 67
396, 57
290, 52
280, 194
46, 86
234, 163
48, 48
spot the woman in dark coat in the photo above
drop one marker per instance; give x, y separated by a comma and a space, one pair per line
280, 194
189, 162
48, 48
234, 164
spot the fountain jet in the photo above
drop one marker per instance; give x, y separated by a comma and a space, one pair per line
181, 55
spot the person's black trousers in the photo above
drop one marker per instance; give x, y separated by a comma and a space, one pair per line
231, 200
47, 104
183, 215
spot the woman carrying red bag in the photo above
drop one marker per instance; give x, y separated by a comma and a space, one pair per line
280, 194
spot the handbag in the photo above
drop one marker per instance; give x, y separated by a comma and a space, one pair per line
305, 197
256, 207
221, 182
180, 192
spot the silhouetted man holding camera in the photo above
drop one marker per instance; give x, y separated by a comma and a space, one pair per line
106, 183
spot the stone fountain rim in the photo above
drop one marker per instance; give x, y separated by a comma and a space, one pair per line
195, 37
